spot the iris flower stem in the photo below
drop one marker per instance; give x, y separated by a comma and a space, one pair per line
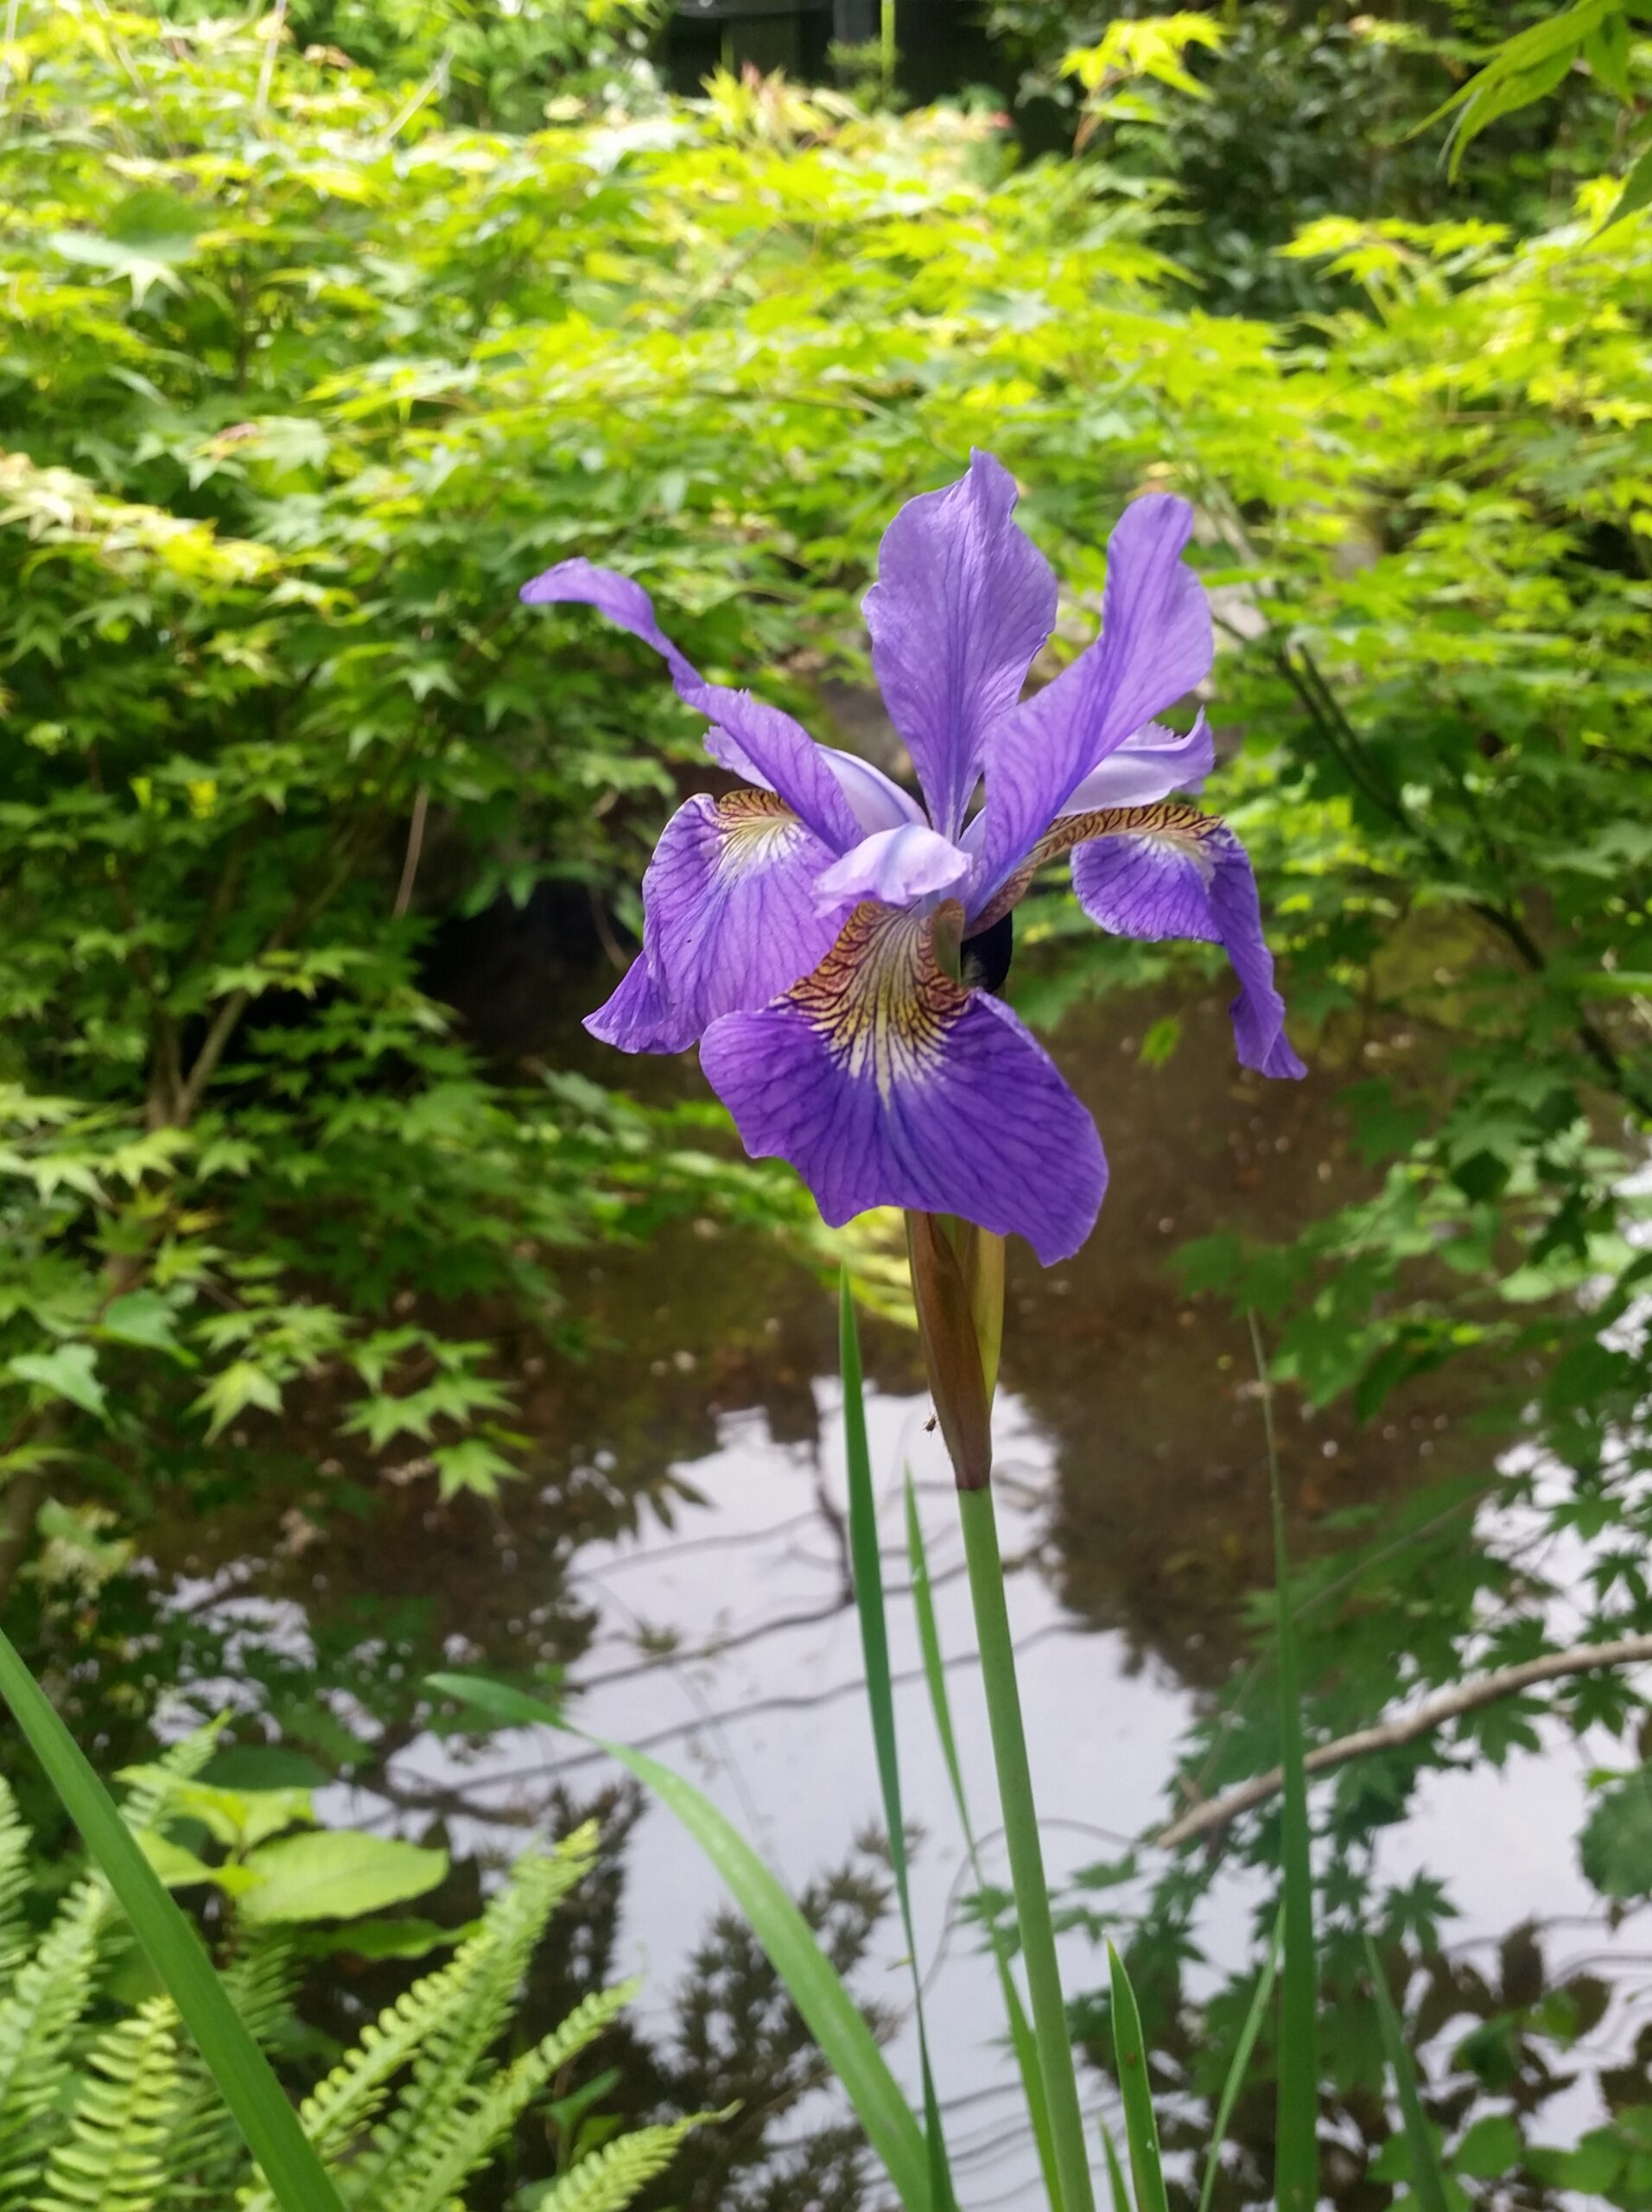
986, 1569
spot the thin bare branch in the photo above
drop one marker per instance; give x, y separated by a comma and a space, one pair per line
1407, 1727
415, 846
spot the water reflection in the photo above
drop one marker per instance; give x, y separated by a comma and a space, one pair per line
680, 1549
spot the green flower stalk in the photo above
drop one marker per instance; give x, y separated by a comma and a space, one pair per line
958, 1291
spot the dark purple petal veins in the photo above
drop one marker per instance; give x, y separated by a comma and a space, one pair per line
885, 1082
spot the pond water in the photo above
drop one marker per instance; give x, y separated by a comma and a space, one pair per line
681, 1548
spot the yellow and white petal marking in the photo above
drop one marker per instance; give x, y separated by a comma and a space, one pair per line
880, 1000
757, 826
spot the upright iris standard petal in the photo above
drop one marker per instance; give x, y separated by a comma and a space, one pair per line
780, 751
1168, 871
963, 603
886, 1084
1155, 645
730, 918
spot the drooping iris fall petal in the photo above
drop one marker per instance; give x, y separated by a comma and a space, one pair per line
885, 1083
1168, 871
731, 917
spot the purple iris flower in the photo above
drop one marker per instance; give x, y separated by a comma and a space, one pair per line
826, 940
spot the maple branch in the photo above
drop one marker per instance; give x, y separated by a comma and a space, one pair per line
1389, 1735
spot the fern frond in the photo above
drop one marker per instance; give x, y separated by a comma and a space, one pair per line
472, 2129
39, 2016
206, 2153
488, 1967
14, 1839
110, 2155
145, 1800
610, 2177
353, 2093
261, 1980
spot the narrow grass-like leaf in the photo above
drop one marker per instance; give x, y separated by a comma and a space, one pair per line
829, 2012
1241, 2063
1140, 2128
1116, 2183
1296, 2149
242, 2073
1022, 2040
868, 1565
1052, 2032
1428, 2180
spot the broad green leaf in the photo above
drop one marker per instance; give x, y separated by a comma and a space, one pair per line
70, 1371
336, 1874
384, 1939
1491, 2148
1637, 189
237, 1817
143, 1317
1616, 1846
181, 1870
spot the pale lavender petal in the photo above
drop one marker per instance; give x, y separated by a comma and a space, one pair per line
895, 867
963, 603
1154, 648
730, 919
1189, 876
1152, 763
886, 1084
776, 750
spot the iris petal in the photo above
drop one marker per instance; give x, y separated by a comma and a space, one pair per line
1154, 646
877, 803
1152, 762
895, 867
963, 603
730, 918
886, 1084
1168, 871
779, 751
